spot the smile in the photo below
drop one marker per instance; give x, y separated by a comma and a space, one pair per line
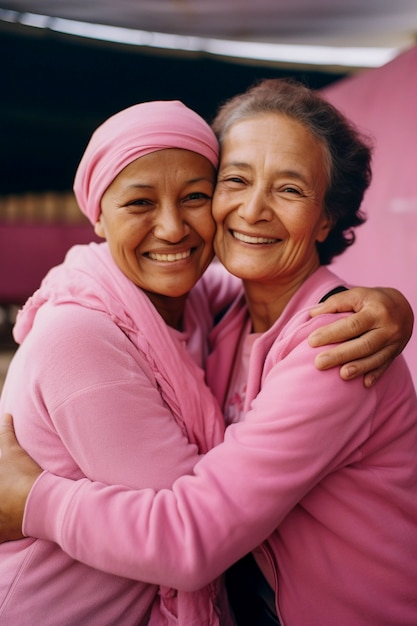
248, 239
170, 257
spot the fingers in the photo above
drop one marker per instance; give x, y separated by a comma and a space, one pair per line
370, 338
370, 367
362, 368
343, 329
342, 302
381, 308
7, 422
7, 434
371, 377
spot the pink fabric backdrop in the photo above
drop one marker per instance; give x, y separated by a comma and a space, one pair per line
383, 103
28, 251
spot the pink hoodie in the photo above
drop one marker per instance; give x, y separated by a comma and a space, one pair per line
101, 387
326, 469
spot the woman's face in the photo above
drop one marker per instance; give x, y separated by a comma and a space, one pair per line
268, 203
156, 218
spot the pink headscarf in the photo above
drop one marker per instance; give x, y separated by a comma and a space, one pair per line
132, 133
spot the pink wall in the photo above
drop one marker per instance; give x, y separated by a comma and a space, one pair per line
383, 103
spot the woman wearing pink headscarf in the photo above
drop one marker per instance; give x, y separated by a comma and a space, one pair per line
108, 381
103, 384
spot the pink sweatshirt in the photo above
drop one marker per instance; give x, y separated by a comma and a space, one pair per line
326, 469
102, 388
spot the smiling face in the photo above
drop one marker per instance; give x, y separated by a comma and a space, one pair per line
268, 203
156, 218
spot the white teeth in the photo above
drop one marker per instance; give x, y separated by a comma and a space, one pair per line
177, 256
248, 239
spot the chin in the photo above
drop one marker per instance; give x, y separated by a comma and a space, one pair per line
177, 291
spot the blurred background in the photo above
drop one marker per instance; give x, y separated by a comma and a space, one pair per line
67, 66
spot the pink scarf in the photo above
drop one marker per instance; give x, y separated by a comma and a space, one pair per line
90, 278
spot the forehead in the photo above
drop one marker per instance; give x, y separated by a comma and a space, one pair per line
273, 138
273, 129
168, 162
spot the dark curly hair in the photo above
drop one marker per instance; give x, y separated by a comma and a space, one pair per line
348, 152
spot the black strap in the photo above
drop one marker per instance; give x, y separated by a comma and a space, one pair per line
332, 292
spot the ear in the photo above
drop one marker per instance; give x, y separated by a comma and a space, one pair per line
99, 228
324, 229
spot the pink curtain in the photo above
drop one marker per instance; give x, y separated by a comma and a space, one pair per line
383, 103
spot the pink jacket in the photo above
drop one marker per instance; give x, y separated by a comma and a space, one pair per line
326, 469
102, 388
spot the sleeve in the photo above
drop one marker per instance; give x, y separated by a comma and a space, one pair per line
302, 425
103, 403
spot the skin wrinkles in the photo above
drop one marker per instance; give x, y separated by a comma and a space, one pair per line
157, 221
138, 185
274, 189
285, 173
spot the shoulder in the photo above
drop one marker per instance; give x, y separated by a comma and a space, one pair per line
71, 342
71, 323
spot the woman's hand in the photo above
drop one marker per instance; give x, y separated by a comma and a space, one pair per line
18, 472
378, 331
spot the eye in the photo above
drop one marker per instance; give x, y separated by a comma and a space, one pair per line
292, 190
138, 202
196, 200
234, 175
139, 205
232, 181
198, 195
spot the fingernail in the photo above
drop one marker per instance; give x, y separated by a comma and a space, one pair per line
314, 338
323, 361
349, 371
369, 380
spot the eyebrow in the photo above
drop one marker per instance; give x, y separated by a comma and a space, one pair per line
294, 174
236, 164
199, 180
139, 186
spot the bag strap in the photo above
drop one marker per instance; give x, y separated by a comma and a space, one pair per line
332, 292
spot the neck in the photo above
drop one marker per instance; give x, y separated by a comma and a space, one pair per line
170, 309
267, 300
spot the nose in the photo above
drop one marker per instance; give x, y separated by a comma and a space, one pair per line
170, 224
254, 206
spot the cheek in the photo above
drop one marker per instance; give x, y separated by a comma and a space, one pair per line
206, 227
126, 242
216, 247
217, 205
303, 227
219, 244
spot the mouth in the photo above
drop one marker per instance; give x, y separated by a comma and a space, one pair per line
253, 240
169, 257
